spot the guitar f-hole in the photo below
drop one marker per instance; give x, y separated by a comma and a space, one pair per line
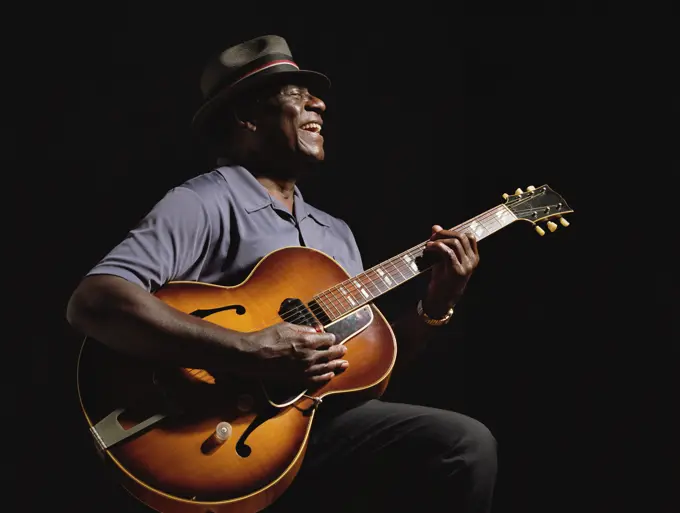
239, 309
244, 450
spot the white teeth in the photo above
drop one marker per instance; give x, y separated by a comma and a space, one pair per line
312, 127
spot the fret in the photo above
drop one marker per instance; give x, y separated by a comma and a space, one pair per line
320, 302
358, 283
324, 307
371, 284
351, 294
394, 273
348, 296
376, 282
410, 264
351, 297
418, 251
493, 225
488, 223
328, 302
504, 216
339, 302
478, 229
356, 292
343, 306
385, 277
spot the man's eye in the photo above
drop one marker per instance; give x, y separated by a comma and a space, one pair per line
293, 93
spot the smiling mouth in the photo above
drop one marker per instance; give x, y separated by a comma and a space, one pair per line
311, 127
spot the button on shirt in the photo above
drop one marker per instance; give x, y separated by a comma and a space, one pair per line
215, 227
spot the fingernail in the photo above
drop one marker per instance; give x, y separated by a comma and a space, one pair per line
344, 364
344, 349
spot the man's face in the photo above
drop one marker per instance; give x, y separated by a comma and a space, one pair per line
289, 124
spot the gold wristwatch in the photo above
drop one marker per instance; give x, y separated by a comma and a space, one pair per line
434, 322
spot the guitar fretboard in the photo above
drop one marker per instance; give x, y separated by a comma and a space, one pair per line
363, 288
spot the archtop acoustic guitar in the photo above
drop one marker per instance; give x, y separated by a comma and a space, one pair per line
193, 441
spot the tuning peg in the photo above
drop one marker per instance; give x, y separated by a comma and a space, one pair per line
505, 195
564, 222
540, 231
551, 226
518, 191
531, 188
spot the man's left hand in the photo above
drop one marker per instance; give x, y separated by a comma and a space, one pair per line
458, 257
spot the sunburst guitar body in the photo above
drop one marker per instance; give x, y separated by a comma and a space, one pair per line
202, 442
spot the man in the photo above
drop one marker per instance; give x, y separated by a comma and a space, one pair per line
263, 113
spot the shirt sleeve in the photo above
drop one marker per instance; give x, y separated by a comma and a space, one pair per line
168, 243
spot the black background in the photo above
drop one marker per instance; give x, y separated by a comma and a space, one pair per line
433, 114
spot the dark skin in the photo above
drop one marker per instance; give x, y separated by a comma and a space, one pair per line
271, 142
275, 141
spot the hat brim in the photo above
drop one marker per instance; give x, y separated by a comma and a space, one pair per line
318, 83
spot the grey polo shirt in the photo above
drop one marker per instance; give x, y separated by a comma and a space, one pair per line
215, 227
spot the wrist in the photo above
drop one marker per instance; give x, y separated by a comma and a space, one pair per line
431, 320
437, 309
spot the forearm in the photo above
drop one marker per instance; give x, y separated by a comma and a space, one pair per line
128, 319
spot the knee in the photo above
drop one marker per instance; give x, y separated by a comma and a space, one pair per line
457, 435
474, 448
477, 446
462, 447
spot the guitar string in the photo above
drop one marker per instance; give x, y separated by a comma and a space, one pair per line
367, 279
416, 250
330, 298
480, 217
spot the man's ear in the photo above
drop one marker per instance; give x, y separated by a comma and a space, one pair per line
244, 121
245, 114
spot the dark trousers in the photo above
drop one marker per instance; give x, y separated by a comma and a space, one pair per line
391, 457
387, 457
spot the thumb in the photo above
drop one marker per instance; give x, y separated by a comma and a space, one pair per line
304, 328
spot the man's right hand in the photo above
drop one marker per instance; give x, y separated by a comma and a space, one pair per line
296, 353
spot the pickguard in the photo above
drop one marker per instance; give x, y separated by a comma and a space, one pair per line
344, 329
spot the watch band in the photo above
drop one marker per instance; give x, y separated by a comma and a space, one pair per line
434, 322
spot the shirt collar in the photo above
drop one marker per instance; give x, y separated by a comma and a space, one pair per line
254, 196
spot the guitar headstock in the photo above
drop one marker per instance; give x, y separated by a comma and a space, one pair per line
538, 204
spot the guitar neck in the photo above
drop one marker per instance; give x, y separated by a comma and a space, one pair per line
365, 287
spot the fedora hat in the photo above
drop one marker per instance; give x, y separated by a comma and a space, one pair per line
246, 66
